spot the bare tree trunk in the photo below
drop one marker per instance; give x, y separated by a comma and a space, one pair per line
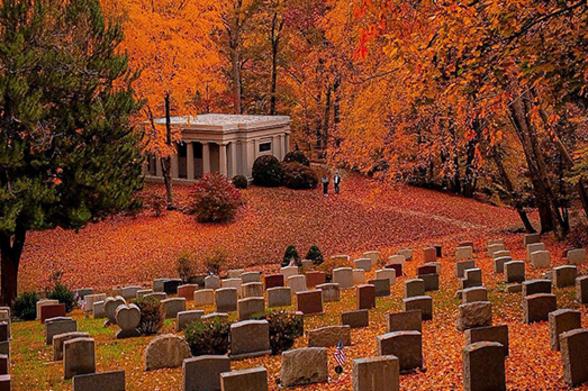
326, 118
11, 247
276, 30
166, 161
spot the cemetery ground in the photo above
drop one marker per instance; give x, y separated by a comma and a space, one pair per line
367, 216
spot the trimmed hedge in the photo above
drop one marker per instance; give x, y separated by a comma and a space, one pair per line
267, 171
299, 176
298, 157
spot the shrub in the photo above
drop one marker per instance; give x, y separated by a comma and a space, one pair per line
62, 293
240, 182
209, 336
298, 176
25, 306
314, 254
289, 254
298, 157
267, 171
214, 261
151, 315
184, 266
215, 199
284, 328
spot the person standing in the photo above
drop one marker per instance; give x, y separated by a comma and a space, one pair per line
325, 182
337, 182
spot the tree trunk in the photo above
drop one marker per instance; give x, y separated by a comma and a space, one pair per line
10, 251
469, 183
166, 161
326, 118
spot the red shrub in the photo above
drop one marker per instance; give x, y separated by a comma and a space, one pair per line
215, 199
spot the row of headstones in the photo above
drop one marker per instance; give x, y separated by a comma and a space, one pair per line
5, 325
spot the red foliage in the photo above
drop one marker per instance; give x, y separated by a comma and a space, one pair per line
215, 199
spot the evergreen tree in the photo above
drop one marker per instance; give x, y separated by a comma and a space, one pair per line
68, 152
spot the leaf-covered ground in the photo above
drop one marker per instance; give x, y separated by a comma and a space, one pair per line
367, 216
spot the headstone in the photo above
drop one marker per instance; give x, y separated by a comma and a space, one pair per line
58, 325
429, 254
489, 333
358, 277
79, 357
158, 284
4, 331
279, 296
110, 306
337, 259
252, 289
43, 302
226, 299
483, 367
363, 263
494, 248
382, 287
250, 306
428, 268
423, 303
564, 276
397, 259
405, 321
540, 259
476, 314
130, 292
232, 283
501, 253
344, 277
156, 295
304, 366
499, 264
560, 321
471, 295
514, 271
216, 315
187, 291
4, 365
381, 373
406, 345
102, 381
172, 306
383, 274
212, 282
574, 354
142, 292
431, 281
461, 266
397, 267
537, 307
211, 365
90, 299
530, 239
166, 351
582, 290
289, 271
464, 253
59, 339
235, 273
531, 248
251, 379
355, 319
273, 280
374, 256
306, 265
184, 318
330, 291
49, 311
171, 286
297, 283
530, 287
407, 252
329, 336
315, 278
576, 256
204, 297
128, 318
250, 338
248, 277
365, 297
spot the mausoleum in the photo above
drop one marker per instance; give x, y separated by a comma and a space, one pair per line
224, 143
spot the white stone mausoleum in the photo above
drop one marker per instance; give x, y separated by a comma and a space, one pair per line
224, 143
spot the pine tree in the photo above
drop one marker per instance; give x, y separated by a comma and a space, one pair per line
68, 151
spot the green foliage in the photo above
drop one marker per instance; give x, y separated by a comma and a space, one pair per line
298, 157
209, 336
240, 182
315, 254
64, 295
291, 254
298, 176
25, 306
152, 316
267, 171
215, 199
284, 328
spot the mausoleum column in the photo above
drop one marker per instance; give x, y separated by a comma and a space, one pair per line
233, 152
205, 159
277, 147
190, 160
286, 144
175, 167
222, 159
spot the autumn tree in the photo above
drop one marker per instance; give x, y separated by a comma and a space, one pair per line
68, 152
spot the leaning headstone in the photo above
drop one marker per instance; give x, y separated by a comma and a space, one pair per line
251, 379
574, 354
514, 271
297, 283
59, 325
576, 256
405, 321
329, 336
376, 373
537, 307
279, 296
204, 297
79, 357
406, 345
483, 367
564, 276
422, 303
211, 365
59, 339
382, 287
184, 318
172, 306
330, 291
250, 306
128, 318
226, 299
474, 294
212, 282
355, 319
560, 321
476, 314
110, 306
42, 303
489, 333
531, 287
102, 381
344, 277
250, 338
166, 351
582, 290
365, 296
303, 366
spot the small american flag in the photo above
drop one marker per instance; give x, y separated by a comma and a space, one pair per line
340, 354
